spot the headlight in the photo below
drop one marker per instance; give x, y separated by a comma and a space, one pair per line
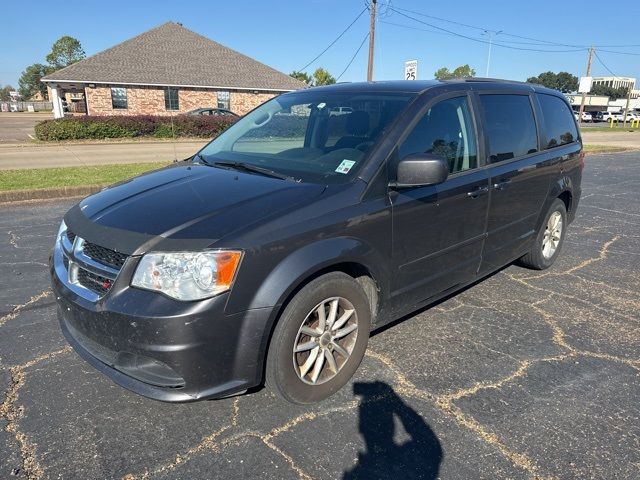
61, 230
188, 275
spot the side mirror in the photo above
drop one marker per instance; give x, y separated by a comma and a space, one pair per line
421, 169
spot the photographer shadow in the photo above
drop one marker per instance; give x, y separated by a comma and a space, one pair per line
418, 457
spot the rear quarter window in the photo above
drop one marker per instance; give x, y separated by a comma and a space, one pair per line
560, 128
511, 127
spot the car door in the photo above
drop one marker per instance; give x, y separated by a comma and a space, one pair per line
438, 230
520, 174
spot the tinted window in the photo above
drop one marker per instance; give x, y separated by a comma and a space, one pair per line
171, 99
510, 126
560, 128
316, 136
445, 130
118, 97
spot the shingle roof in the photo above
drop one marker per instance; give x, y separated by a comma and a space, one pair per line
173, 55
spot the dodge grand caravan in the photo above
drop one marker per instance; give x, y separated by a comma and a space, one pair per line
271, 254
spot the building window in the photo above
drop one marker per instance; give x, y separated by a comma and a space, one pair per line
171, 101
118, 98
223, 100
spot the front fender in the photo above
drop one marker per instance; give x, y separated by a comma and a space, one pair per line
294, 270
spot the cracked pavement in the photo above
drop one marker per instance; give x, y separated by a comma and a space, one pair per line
524, 375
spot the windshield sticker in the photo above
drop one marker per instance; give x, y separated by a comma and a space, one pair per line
345, 166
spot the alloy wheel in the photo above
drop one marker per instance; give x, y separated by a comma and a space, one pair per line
325, 340
552, 235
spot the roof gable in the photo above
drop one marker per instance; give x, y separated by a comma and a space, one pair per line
173, 55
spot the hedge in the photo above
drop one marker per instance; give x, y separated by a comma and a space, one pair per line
100, 127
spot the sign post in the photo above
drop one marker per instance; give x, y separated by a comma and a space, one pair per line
411, 70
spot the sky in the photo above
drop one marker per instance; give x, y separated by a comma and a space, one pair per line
288, 34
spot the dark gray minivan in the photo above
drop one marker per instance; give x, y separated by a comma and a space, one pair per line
321, 215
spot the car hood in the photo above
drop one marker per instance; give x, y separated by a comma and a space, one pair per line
183, 206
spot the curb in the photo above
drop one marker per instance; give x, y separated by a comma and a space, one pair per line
10, 196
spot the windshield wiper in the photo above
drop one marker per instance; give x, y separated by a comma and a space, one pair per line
248, 167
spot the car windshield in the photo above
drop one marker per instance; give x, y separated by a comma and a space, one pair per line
312, 136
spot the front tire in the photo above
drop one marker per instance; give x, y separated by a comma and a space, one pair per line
548, 243
319, 340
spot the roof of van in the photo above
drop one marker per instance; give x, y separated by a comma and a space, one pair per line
419, 86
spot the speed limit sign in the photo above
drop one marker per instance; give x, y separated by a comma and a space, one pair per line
411, 70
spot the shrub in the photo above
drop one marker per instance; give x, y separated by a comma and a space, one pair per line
99, 127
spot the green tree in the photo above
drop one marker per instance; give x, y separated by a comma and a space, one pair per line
612, 93
563, 81
323, 77
4, 93
65, 51
30, 82
302, 76
463, 71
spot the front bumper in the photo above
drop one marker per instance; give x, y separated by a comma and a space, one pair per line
162, 348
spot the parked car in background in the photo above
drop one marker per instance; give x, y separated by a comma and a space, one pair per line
586, 116
271, 254
608, 116
212, 111
340, 110
619, 116
596, 116
631, 116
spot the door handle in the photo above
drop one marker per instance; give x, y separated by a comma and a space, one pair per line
478, 191
501, 185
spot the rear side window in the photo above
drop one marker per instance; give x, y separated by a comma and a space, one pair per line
560, 128
511, 127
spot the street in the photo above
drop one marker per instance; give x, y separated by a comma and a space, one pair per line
524, 375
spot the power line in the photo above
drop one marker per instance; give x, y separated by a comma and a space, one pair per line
354, 56
450, 32
476, 27
537, 41
338, 38
620, 53
604, 65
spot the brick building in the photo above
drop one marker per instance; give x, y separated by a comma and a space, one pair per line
166, 70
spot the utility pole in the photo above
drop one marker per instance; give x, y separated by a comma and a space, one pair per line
626, 108
584, 94
372, 34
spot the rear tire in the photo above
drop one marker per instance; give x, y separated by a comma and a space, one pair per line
312, 354
549, 240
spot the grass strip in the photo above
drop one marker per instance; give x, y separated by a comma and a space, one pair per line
32, 179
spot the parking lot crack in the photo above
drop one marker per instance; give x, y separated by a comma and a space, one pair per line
12, 413
16, 310
445, 403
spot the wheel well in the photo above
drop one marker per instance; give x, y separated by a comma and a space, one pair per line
359, 272
566, 198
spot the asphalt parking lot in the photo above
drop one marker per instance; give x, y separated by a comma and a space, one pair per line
17, 127
524, 375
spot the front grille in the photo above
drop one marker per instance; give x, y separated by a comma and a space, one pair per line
101, 276
95, 283
71, 236
104, 255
